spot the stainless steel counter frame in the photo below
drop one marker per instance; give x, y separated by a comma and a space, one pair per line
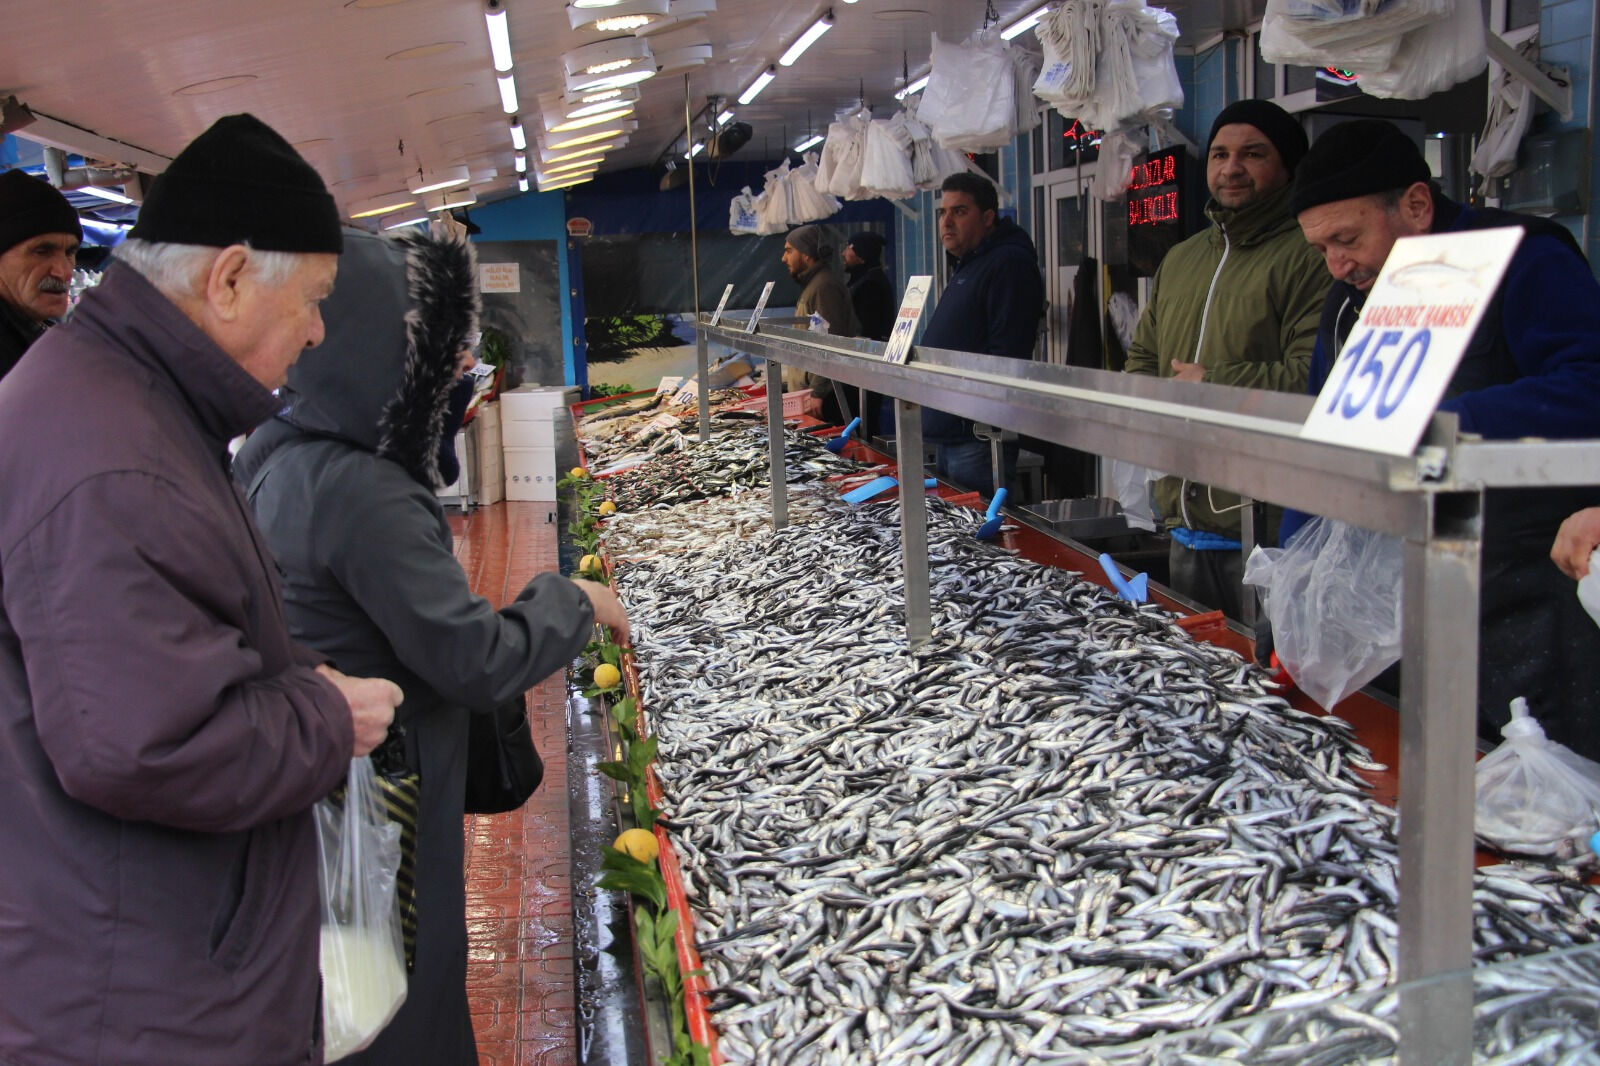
1249, 441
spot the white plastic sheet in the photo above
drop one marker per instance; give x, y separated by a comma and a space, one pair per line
1534, 796
1332, 594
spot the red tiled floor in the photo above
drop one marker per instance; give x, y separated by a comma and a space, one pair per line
519, 907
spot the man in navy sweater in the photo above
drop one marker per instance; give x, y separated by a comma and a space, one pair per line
992, 305
1532, 369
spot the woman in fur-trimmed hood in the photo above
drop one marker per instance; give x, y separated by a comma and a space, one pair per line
343, 486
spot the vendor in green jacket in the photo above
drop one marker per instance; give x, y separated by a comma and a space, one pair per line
1236, 304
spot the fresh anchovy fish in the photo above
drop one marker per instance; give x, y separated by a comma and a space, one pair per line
689, 469
611, 433
1062, 828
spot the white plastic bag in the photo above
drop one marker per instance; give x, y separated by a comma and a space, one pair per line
1354, 34
886, 171
969, 102
1131, 482
363, 956
1510, 114
806, 204
1433, 58
742, 217
1333, 597
1534, 796
844, 154
1154, 68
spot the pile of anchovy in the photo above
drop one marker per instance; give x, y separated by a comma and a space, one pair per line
1061, 824
635, 429
732, 459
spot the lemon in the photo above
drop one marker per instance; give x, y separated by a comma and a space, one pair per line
607, 507
639, 843
607, 676
578, 473
589, 564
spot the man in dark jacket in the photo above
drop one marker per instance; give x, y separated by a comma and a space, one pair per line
1531, 369
1236, 304
343, 483
808, 257
871, 291
992, 305
39, 238
162, 739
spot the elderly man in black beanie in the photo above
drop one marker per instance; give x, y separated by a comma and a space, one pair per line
808, 257
164, 737
1532, 369
39, 239
1235, 304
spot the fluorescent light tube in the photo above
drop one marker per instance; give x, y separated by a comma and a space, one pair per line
508, 93
807, 39
522, 163
499, 38
106, 194
519, 139
756, 86
1024, 24
522, 184
724, 118
915, 87
699, 146
809, 142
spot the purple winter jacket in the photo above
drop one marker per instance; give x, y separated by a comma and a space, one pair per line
161, 737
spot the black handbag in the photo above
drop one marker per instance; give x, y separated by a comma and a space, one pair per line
503, 766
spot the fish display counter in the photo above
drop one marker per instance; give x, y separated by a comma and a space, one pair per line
1057, 831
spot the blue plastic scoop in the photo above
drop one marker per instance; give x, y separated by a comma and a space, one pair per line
1135, 591
991, 517
876, 486
836, 445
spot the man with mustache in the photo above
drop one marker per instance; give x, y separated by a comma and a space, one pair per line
1235, 304
40, 233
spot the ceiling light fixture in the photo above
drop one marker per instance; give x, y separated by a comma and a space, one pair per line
599, 96
404, 218
681, 13
508, 93
582, 164
1022, 25
522, 163
626, 16
678, 59
579, 153
724, 118
553, 186
519, 139
545, 177
499, 36
104, 194
381, 205
915, 87
556, 124
522, 184
577, 105
756, 86
595, 3
810, 142
608, 56
572, 140
439, 178
699, 146
807, 39
579, 82
444, 201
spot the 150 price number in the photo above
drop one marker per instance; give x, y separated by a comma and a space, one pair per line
1379, 372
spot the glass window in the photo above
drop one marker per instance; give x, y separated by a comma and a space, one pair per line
1266, 75
1069, 231
1055, 135
1038, 223
1037, 141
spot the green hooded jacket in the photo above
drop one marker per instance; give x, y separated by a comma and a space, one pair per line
1242, 298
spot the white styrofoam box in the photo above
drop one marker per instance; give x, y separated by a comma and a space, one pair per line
533, 401
531, 474
531, 433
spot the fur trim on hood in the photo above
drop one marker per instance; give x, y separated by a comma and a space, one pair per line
402, 310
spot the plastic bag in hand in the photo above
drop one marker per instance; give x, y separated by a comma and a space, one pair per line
1534, 796
1333, 597
363, 957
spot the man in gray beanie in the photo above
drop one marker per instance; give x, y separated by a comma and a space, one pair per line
809, 259
1235, 304
162, 739
39, 239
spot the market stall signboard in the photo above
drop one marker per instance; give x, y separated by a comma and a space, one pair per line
905, 323
1398, 360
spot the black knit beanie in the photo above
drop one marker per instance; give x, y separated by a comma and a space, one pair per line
1281, 128
240, 181
30, 206
868, 245
1357, 158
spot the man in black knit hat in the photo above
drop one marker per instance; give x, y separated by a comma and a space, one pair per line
39, 238
1235, 304
1531, 369
162, 739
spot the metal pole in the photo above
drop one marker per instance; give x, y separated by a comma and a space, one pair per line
702, 362
913, 521
1438, 715
775, 445
694, 269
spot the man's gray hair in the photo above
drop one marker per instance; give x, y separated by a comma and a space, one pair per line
175, 269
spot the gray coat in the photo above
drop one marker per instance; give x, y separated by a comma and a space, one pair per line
342, 483
161, 737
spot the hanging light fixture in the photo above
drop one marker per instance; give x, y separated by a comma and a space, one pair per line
522, 183
403, 218
444, 201
807, 39
579, 105
581, 152
508, 93
557, 124
680, 59
439, 178
522, 163
610, 56
756, 86
551, 142
569, 168
681, 13
499, 36
381, 205
519, 138
915, 87
626, 16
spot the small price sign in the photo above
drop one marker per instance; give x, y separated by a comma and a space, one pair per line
1415, 326
905, 323
761, 305
716, 316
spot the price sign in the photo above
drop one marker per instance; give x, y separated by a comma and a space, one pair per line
688, 392
669, 384
905, 323
1398, 360
761, 305
716, 316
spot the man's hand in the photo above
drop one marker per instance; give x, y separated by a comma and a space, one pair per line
1576, 540
608, 610
1188, 371
372, 702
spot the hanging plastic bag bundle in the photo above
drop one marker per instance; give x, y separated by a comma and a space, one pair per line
887, 170
931, 162
969, 102
1154, 69
848, 139
742, 218
1432, 58
1332, 594
1070, 36
807, 203
363, 956
1510, 115
1537, 797
772, 206
1354, 34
